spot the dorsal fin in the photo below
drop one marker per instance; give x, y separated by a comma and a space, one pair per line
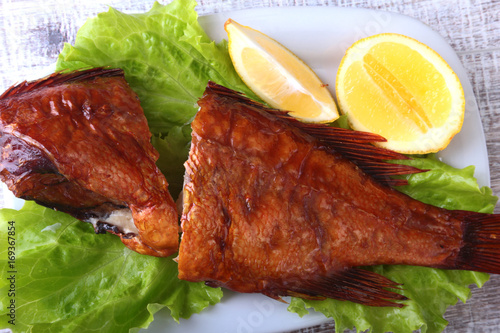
60, 77
354, 145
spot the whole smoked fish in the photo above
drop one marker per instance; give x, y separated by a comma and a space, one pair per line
278, 207
78, 142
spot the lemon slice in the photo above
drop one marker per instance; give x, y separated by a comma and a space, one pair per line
278, 76
403, 90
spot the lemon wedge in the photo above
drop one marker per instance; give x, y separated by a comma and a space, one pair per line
278, 76
403, 90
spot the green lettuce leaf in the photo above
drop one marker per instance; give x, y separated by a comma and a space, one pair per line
173, 149
448, 187
431, 291
68, 279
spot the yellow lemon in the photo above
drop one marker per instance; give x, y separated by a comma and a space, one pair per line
401, 89
278, 76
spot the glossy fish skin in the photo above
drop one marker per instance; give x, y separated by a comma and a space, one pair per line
269, 208
79, 142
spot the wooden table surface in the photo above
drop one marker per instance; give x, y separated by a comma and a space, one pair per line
33, 32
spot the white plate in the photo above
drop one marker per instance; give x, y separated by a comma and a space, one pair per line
320, 36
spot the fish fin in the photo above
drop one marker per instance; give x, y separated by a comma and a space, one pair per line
481, 249
354, 145
357, 147
59, 78
355, 285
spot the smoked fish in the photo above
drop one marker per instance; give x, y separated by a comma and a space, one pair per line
283, 208
79, 142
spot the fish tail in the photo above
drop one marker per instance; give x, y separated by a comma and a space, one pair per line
481, 243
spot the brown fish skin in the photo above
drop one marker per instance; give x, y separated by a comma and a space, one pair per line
269, 208
79, 142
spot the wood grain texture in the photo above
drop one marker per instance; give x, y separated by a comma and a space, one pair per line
32, 33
